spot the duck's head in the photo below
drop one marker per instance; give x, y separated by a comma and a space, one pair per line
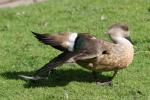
119, 33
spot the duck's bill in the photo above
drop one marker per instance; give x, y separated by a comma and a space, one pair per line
34, 78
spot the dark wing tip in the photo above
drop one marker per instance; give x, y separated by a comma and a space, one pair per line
35, 33
40, 36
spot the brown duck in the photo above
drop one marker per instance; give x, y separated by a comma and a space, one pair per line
88, 51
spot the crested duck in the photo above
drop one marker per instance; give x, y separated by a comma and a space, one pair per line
88, 51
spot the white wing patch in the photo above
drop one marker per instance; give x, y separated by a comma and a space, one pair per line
71, 42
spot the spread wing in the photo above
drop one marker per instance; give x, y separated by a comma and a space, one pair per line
55, 41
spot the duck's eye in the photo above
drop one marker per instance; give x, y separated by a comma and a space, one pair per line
105, 52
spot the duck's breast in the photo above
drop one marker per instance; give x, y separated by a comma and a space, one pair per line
117, 58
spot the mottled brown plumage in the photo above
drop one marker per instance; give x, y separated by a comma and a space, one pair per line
111, 56
90, 52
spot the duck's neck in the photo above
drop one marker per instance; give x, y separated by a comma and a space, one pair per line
121, 40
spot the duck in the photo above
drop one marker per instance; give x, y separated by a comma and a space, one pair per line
88, 51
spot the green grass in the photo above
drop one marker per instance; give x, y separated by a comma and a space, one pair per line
21, 53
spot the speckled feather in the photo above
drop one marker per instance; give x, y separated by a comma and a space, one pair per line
116, 56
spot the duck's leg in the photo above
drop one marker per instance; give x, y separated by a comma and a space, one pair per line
115, 73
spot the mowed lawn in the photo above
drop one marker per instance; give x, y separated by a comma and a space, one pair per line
21, 53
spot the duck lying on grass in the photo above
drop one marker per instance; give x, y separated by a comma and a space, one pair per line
88, 51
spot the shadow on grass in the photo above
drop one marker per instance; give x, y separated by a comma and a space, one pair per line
58, 78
